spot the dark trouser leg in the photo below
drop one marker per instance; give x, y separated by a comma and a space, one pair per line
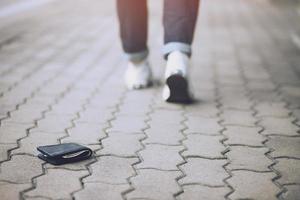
133, 17
179, 21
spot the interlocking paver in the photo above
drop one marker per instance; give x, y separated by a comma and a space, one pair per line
111, 170
289, 170
101, 191
203, 192
4, 150
55, 180
204, 171
85, 133
128, 124
170, 136
161, 157
238, 117
10, 191
205, 126
204, 146
253, 185
10, 132
20, 169
121, 144
272, 109
240, 135
292, 193
202, 110
154, 184
242, 157
279, 126
53, 124
284, 146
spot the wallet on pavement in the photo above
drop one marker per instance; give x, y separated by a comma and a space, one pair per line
64, 153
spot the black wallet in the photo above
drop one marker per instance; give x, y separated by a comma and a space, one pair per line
64, 153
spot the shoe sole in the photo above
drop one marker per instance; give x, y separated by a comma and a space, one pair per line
178, 86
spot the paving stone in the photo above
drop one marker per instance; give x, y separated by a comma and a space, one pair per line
128, 124
25, 116
157, 135
203, 192
205, 126
272, 109
289, 170
160, 157
243, 182
203, 146
29, 144
85, 133
95, 116
53, 124
204, 171
4, 148
10, 191
202, 110
55, 180
293, 192
101, 191
111, 170
122, 145
10, 133
240, 135
20, 169
242, 157
154, 184
238, 117
279, 126
284, 146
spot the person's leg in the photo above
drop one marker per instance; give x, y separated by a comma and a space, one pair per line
179, 21
133, 20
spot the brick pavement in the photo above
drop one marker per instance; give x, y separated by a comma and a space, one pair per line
60, 82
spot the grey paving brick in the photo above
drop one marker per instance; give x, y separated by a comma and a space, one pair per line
154, 184
242, 157
203, 146
160, 157
29, 144
289, 170
128, 124
293, 192
243, 182
20, 169
55, 180
101, 191
170, 136
240, 135
4, 148
279, 126
205, 126
121, 144
203, 192
111, 170
238, 117
204, 171
96, 116
85, 133
53, 124
284, 146
10, 133
10, 191
202, 110
272, 109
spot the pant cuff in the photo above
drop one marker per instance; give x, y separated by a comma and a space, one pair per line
137, 56
176, 46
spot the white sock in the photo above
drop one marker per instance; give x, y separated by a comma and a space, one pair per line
138, 75
178, 62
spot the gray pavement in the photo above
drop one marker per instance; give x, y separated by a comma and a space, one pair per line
61, 81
